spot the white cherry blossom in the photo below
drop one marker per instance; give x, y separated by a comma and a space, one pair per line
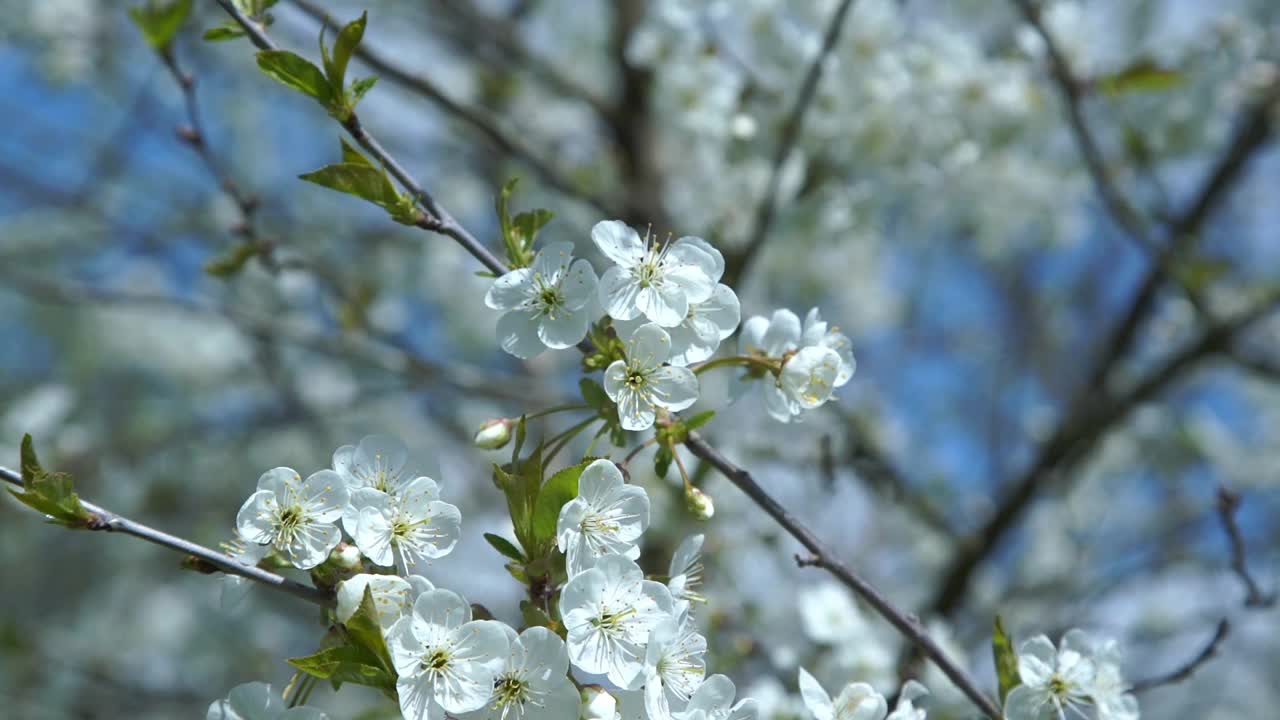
1054, 680
609, 611
445, 661
257, 701
815, 360
650, 279
642, 383
608, 516
674, 665
374, 467
406, 527
534, 684
857, 701
295, 517
393, 596
685, 573
713, 700
545, 305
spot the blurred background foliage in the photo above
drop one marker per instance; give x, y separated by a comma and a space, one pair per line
935, 205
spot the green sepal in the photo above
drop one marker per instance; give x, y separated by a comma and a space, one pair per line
159, 22
662, 460
52, 494
534, 616
1006, 659
232, 261
297, 72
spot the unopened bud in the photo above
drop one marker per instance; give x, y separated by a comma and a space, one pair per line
347, 557
493, 434
699, 503
598, 704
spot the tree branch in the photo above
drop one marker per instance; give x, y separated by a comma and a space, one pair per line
905, 623
1074, 437
737, 263
1187, 669
107, 521
1071, 90
1228, 503
474, 118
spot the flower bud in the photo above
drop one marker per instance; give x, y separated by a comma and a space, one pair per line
699, 503
494, 434
598, 704
347, 557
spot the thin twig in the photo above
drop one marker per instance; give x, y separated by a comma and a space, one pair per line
1187, 669
439, 220
422, 85
1071, 90
907, 624
107, 521
1228, 503
736, 264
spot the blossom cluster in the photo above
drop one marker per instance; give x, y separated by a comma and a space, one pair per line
665, 301
1080, 673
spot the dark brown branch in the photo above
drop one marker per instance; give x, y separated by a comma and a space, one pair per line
736, 264
107, 521
907, 624
1187, 669
1228, 503
422, 85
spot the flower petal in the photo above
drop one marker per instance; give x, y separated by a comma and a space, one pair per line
649, 346
618, 293
674, 388
511, 291
518, 334
618, 241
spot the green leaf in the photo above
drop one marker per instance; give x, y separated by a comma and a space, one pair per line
1142, 76
52, 494
159, 22
348, 38
358, 90
365, 632
595, 396
353, 156
365, 182
1199, 273
224, 32
534, 616
697, 421
297, 72
232, 261
346, 664
1005, 658
504, 218
558, 490
504, 546
527, 224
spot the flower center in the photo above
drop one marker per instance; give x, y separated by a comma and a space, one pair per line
435, 661
635, 378
612, 622
290, 519
510, 690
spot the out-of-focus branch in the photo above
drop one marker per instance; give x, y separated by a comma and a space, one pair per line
1120, 209
737, 263
422, 85
633, 126
908, 625
1228, 503
1187, 669
107, 521
1074, 437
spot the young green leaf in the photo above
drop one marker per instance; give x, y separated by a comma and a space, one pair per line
224, 32
365, 632
558, 490
534, 616
159, 22
297, 72
505, 547
1005, 659
1142, 76
365, 182
52, 494
346, 664
353, 156
348, 38
232, 261
698, 420
358, 90
662, 461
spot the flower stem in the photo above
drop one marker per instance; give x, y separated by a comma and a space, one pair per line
559, 441
770, 364
557, 409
